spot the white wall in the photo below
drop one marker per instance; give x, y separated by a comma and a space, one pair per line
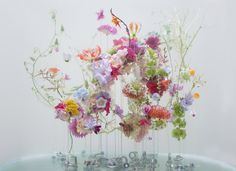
28, 127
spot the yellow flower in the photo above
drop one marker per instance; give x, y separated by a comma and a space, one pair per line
196, 95
192, 72
72, 107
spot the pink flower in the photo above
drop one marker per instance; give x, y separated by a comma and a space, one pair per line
100, 15
153, 42
123, 41
60, 106
107, 29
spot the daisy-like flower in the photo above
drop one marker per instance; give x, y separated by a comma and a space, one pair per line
90, 54
158, 112
134, 90
72, 107
77, 128
107, 29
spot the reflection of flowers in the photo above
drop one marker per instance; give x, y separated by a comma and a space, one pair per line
107, 29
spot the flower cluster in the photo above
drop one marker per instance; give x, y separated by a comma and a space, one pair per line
160, 90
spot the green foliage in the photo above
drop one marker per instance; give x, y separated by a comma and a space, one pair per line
179, 133
162, 73
159, 124
178, 122
185, 76
178, 110
112, 51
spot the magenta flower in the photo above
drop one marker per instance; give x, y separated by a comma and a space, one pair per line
100, 15
153, 42
107, 29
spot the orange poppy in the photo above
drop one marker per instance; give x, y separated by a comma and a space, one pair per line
90, 54
53, 71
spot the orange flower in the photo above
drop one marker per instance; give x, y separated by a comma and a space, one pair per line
90, 54
115, 21
159, 112
53, 71
196, 95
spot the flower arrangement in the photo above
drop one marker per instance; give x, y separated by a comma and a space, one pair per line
160, 92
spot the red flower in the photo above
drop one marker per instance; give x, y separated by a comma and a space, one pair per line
158, 87
115, 71
144, 122
60, 106
159, 112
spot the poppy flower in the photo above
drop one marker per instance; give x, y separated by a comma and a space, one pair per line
53, 71
90, 54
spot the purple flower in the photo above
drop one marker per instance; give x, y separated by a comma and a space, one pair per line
174, 88
102, 71
187, 101
100, 15
153, 42
81, 94
90, 123
136, 48
63, 115
107, 29
146, 109
155, 96
119, 111
131, 56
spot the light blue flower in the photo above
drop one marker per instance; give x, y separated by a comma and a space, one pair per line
81, 94
187, 101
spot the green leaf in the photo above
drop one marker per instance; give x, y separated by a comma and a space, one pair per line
162, 73
179, 133
178, 110
150, 73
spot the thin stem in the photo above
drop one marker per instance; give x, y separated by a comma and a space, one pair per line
126, 27
71, 142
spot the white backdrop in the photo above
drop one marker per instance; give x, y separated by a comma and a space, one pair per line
28, 126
